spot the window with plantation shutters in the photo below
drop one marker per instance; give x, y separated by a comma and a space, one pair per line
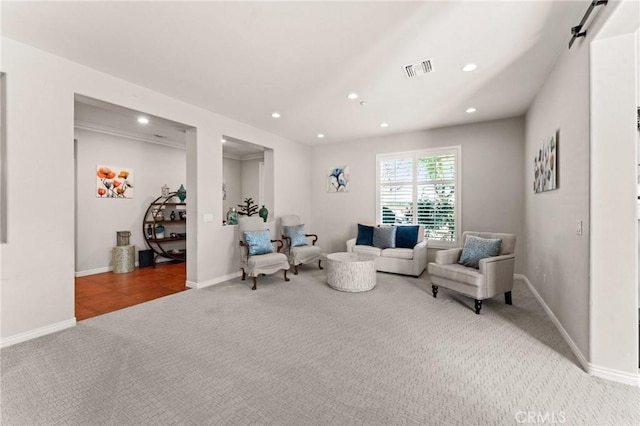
421, 187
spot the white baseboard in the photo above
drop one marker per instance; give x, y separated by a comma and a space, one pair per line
592, 369
94, 271
614, 375
109, 269
38, 332
574, 348
213, 281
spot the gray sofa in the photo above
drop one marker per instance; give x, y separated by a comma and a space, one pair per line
405, 261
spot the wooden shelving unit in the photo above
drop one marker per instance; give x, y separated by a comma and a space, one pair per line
169, 247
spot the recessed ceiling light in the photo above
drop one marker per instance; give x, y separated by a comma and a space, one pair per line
384, 124
363, 103
469, 67
143, 120
276, 115
352, 96
471, 110
320, 135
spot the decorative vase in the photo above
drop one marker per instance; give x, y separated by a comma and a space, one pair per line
232, 216
159, 232
173, 215
182, 193
263, 213
165, 190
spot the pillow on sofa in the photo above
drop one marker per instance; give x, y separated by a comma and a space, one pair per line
259, 242
297, 235
407, 236
365, 235
476, 248
384, 237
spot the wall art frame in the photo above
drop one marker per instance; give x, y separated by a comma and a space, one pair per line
114, 182
545, 165
338, 179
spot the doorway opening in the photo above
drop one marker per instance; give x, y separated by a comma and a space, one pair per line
124, 161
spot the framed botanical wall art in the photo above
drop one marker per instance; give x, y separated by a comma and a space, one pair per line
338, 179
114, 182
545, 165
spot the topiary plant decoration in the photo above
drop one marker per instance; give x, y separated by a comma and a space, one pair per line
248, 208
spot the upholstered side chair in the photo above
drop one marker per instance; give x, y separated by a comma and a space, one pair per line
298, 247
257, 255
493, 276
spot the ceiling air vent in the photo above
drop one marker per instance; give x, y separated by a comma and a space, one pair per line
418, 68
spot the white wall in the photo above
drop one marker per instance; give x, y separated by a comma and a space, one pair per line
37, 264
614, 298
492, 179
98, 219
559, 262
243, 181
233, 181
614, 225
251, 180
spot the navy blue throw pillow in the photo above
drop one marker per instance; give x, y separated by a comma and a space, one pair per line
365, 235
407, 236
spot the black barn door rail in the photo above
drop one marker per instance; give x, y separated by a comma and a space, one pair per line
577, 30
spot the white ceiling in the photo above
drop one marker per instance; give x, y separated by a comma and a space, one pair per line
99, 116
248, 59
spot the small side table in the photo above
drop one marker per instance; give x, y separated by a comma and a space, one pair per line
124, 259
351, 272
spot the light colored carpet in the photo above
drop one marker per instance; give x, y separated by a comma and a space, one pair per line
301, 353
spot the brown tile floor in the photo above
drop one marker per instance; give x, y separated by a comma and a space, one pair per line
102, 293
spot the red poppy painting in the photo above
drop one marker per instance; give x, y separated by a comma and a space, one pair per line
114, 182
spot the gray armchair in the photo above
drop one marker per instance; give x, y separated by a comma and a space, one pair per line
494, 275
259, 264
302, 253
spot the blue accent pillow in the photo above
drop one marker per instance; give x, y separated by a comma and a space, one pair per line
476, 248
384, 237
259, 242
365, 235
297, 235
407, 236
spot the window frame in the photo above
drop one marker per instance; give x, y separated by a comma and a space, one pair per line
456, 151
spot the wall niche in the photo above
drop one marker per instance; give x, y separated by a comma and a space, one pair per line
247, 172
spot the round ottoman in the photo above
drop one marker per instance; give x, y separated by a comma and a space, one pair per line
351, 272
